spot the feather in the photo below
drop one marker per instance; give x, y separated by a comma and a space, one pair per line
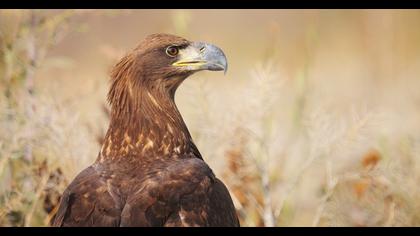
149, 171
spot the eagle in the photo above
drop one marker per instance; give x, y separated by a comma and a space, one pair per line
149, 172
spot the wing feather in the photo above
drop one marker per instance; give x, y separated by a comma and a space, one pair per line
181, 193
88, 201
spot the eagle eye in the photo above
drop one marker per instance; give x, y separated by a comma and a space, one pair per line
172, 51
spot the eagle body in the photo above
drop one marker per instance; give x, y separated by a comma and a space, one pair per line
149, 172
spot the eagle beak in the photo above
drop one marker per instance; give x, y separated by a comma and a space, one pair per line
202, 56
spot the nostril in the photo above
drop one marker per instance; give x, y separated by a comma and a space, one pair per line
203, 49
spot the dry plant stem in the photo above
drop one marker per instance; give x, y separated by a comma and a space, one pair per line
38, 195
268, 212
331, 184
3, 161
32, 54
391, 214
269, 219
293, 183
35, 55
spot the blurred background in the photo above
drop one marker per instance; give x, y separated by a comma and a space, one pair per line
316, 123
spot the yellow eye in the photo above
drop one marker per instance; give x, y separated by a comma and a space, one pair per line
172, 51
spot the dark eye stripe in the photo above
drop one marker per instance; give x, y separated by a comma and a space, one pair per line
182, 46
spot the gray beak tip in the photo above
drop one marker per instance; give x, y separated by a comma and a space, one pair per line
215, 56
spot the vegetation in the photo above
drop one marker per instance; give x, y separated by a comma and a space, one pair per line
316, 124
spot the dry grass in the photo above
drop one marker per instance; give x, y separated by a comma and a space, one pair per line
317, 123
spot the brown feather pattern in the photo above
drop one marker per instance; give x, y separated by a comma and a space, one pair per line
148, 171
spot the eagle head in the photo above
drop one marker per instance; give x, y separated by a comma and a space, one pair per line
151, 73
164, 60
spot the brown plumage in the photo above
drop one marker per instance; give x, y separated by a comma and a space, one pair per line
149, 172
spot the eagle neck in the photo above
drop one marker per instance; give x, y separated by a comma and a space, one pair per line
147, 125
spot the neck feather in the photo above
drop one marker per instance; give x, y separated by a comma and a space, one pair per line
145, 124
